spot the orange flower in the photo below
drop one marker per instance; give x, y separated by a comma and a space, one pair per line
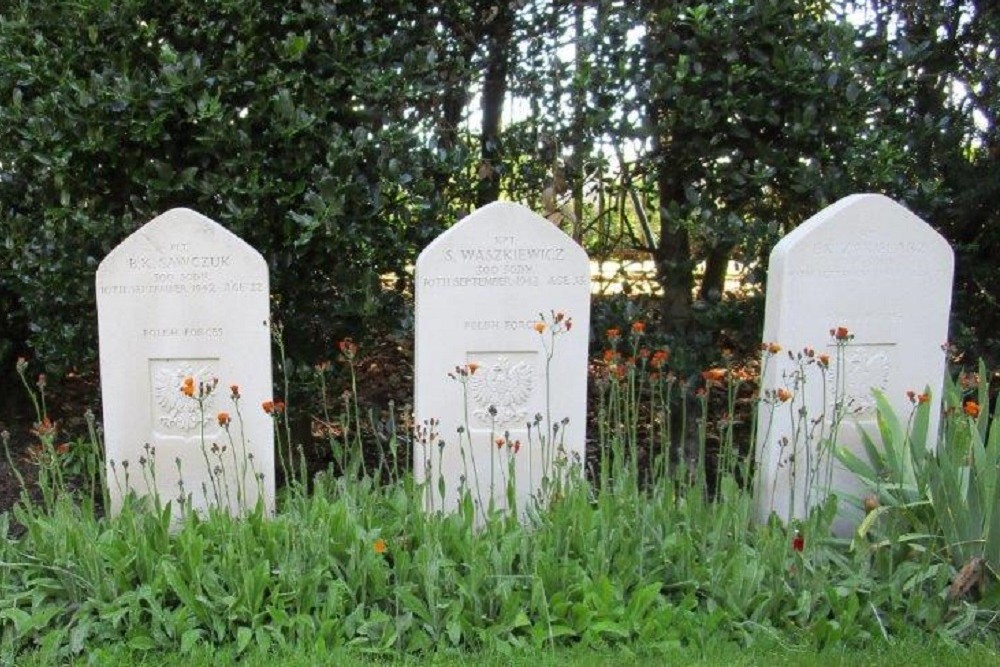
268, 406
771, 348
279, 407
783, 394
223, 418
841, 333
44, 428
539, 327
63, 448
500, 442
348, 348
923, 398
559, 317
613, 334
971, 408
912, 395
823, 360
188, 387
473, 367
610, 356
638, 328
713, 375
659, 358
235, 391
380, 547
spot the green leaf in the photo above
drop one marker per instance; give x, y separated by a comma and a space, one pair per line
21, 619
190, 639
141, 642
244, 636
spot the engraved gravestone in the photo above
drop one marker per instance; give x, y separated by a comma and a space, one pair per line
882, 276
486, 368
183, 323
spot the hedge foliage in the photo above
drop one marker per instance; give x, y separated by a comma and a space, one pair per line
292, 124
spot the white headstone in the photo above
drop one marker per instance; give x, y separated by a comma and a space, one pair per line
873, 269
182, 303
482, 289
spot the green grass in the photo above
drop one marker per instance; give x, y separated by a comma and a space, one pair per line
912, 652
656, 566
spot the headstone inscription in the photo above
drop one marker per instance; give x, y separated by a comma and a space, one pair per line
502, 321
185, 360
858, 297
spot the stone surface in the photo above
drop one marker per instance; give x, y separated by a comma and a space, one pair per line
870, 265
480, 290
180, 298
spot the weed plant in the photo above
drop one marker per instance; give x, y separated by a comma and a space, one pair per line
661, 556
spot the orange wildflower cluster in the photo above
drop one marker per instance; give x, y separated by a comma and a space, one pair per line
465, 371
714, 375
783, 395
841, 333
45, 428
560, 319
614, 363
823, 360
770, 348
560, 323
224, 419
273, 407
512, 445
659, 359
379, 546
36, 454
204, 388
638, 328
971, 408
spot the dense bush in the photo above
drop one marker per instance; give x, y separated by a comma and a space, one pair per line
298, 128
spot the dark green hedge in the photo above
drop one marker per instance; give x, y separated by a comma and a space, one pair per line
305, 128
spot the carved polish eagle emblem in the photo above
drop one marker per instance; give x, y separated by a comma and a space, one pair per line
504, 385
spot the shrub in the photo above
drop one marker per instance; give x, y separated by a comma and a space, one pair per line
292, 126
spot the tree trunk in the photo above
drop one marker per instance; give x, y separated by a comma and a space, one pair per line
674, 266
498, 34
713, 283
